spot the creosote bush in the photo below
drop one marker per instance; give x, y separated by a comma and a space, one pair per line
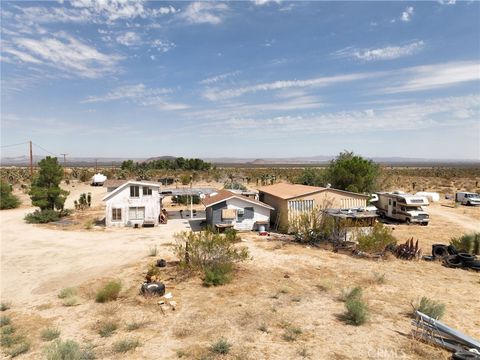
126, 345
211, 253
49, 334
430, 307
109, 292
469, 243
221, 346
107, 328
377, 240
42, 216
67, 292
68, 350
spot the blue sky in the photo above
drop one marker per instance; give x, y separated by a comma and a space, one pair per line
254, 79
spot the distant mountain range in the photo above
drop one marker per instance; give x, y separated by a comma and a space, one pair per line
306, 160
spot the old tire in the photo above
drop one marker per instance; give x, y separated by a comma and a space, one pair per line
453, 261
452, 250
466, 258
439, 250
155, 288
161, 263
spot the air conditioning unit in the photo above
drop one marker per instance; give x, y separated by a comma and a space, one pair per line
240, 212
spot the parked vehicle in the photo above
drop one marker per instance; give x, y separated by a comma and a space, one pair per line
467, 198
404, 207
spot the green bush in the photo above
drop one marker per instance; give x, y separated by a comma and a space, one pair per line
231, 235
18, 349
109, 292
126, 345
108, 328
291, 333
469, 243
7, 330
377, 240
70, 301
222, 346
67, 292
49, 334
7, 199
218, 274
63, 350
429, 307
4, 320
351, 294
209, 252
42, 216
357, 311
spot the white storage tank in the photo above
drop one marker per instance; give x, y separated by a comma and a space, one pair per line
98, 179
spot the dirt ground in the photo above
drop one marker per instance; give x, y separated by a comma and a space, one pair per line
284, 286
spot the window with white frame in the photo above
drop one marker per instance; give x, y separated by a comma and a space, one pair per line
136, 213
147, 191
116, 214
134, 191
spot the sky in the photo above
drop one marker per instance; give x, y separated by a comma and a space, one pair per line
255, 79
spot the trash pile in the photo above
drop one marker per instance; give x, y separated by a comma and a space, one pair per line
452, 258
437, 333
407, 251
152, 286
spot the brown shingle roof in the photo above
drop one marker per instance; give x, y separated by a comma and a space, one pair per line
289, 191
223, 195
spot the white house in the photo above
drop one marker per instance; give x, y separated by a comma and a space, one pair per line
229, 210
135, 203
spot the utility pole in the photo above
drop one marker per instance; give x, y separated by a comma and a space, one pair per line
64, 165
96, 166
31, 159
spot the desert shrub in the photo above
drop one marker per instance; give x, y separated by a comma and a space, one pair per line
49, 334
313, 226
4, 320
18, 349
231, 235
233, 185
351, 294
7, 339
153, 251
291, 333
208, 252
67, 292
218, 274
42, 216
221, 346
7, 199
377, 240
70, 301
469, 243
7, 330
429, 307
135, 325
109, 292
126, 345
63, 350
4, 306
357, 311
379, 278
107, 328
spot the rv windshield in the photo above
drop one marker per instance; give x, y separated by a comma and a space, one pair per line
414, 208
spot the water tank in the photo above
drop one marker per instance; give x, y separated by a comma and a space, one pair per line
98, 179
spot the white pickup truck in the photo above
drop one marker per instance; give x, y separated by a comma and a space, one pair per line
467, 198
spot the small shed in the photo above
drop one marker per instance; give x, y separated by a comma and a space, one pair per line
226, 209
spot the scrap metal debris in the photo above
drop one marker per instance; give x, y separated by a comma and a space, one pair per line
437, 333
408, 251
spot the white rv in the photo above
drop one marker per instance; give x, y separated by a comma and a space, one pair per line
467, 198
404, 207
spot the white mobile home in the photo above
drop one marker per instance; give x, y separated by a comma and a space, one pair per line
226, 209
400, 206
135, 203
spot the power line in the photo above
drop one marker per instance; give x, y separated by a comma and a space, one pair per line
23, 143
45, 149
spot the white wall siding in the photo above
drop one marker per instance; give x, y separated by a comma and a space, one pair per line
260, 213
123, 201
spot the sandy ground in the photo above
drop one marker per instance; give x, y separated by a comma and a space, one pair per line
284, 285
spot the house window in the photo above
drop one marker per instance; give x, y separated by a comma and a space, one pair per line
116, 214
147, 190
136, 213
134, 191
240, 213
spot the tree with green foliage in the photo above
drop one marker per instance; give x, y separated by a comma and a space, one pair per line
128, 165
312, 177
7, 199
352, 173
45, 191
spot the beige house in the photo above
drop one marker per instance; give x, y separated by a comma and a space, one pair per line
290, 200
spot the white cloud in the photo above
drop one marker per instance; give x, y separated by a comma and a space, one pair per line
264, 2
129, 38
429, 77
162, 46
204, 13
431, 113
407, 14
141, 95
221, 77
65, 53
447, 2
221, 94
385, 53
